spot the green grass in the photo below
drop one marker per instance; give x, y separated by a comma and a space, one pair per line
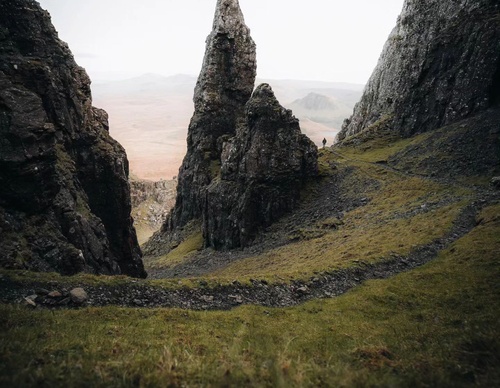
188, 247
29, 277
371, 233
434, 326
378, 151
391, 223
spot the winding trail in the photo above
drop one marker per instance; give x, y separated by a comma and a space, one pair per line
144, 294
223, 297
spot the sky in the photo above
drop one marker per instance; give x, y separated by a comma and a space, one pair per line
325, 40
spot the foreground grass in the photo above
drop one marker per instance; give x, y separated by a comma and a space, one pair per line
434, 326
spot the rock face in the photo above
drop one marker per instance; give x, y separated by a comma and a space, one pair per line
151, 204
262, 171
224, 86
441, 64
64, 193
246, 158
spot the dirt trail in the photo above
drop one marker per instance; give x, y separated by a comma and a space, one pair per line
324, 285
135, 293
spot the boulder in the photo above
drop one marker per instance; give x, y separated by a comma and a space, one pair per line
78, 296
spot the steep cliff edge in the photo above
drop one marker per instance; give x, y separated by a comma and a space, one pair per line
246, 159
441, 64
64, 192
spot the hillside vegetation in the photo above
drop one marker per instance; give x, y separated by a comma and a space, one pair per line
436, 325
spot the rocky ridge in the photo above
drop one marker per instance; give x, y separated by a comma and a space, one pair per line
246, 159
440, 64
64, 192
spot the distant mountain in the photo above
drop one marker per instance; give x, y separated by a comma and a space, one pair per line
314, 102
326, 111
149, 115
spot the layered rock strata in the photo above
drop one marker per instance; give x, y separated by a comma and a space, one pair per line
64, 192
440, 64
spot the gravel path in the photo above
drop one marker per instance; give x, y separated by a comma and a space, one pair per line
223, 297
319, 205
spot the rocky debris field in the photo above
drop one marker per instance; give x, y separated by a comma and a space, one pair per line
151, 203
137, 293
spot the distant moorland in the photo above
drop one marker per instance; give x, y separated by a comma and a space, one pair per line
149, 115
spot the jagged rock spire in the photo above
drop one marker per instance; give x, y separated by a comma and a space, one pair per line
228, 17
224, 86
263, 170
229, 66
246, 159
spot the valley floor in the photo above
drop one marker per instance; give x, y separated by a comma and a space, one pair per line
361, 232
434, 326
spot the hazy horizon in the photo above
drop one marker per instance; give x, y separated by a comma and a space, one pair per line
325, 40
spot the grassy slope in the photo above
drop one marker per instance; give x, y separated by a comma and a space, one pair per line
401, 213
438, 325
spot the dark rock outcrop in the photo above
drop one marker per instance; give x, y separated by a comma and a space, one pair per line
224, 86
263, 169
64, 192
441, 64
246, 159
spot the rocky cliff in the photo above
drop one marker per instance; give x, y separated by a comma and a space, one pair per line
64, 192
440, 64
263, 169
151, 204
246, 159
224, 86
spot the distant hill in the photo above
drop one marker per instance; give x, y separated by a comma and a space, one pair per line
321, 111
149, 115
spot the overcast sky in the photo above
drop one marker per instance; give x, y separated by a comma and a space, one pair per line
328, 40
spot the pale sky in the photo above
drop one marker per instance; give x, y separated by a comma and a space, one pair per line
326, 40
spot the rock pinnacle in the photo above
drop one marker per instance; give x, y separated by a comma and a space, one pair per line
224, 86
